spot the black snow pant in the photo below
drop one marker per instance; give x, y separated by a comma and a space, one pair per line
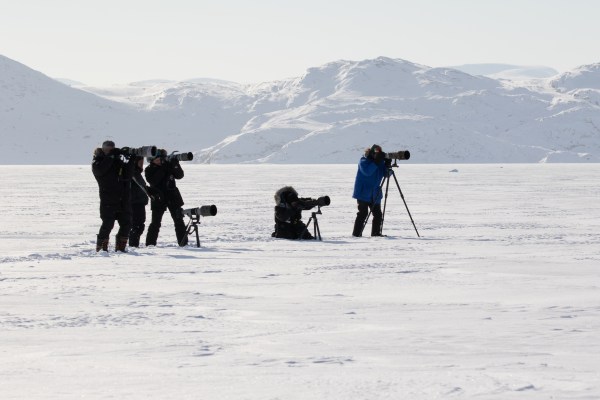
109, 213
361, 216
154, 228
138, 220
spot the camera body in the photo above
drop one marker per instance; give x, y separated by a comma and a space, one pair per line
202, 211
306, 203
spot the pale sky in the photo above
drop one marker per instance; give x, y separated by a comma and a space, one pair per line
119, 41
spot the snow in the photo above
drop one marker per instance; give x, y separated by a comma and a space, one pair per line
499, 299
508, 71
587, 76
327, 115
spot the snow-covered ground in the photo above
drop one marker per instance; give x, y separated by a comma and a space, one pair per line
499, 298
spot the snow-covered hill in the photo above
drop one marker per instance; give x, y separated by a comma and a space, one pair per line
328, 115
43, 121
508, 71
440, 114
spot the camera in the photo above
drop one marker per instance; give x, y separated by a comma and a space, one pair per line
203, 211
307, 203
144, 151
398, 155
180, 157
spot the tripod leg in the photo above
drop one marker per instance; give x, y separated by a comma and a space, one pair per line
405, 205
317, 230
386, 180
188, 231
197, 236
306, 228
365, 223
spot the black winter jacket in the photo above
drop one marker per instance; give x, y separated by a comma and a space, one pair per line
288, 209
162, 178
113, 177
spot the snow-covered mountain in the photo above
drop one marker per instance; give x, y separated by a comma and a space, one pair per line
440, 114
328, 115
43, 121
508, 71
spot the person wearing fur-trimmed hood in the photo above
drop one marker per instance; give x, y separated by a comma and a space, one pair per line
288, 215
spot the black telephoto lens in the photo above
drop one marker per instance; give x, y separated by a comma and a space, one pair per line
399, 155
208, 211
324, 201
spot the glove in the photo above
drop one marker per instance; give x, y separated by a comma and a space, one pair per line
98, 152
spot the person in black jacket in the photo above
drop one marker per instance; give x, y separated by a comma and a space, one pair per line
139, 201
161, 175
114, 179
288, 215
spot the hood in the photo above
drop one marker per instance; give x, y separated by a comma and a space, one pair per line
283, 190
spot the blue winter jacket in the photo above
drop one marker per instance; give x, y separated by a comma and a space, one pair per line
368, 180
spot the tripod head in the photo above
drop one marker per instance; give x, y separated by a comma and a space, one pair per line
389, 165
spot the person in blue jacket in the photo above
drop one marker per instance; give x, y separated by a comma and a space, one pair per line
367, 189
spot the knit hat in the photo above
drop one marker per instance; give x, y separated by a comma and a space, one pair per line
159, 153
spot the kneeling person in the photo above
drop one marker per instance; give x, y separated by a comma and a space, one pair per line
288, 215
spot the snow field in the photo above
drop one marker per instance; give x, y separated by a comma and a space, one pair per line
499, 299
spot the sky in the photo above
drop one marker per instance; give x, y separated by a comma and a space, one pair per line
119, 41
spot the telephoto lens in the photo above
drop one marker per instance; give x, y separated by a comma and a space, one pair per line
144, 151
399, 155
203, 211
208, 211
323, 201
181, 157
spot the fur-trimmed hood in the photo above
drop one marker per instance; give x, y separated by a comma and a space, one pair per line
283, 190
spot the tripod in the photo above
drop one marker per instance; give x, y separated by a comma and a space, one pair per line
386, 182
316, 229
192, 227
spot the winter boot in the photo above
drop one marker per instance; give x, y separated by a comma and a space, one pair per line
377, 225
152, 234
121, 244
101, 244
134, 240
358, 228
183, 241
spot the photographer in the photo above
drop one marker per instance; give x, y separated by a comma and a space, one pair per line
372, 169
139, 201
161, 175
288, 215
114, 179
